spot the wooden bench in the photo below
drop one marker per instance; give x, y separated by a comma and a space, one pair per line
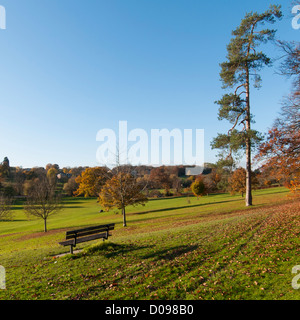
87, 234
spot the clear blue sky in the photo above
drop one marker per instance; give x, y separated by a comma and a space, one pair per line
69, 68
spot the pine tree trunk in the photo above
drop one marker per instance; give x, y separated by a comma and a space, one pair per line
124, 217
248, 146
248, 176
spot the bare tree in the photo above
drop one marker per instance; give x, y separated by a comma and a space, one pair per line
5, 208
42, 200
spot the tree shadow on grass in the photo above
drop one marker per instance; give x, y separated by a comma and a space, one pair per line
13, 207
171, 253
182, 207
13, 220
73, 202
77, 200
72, 207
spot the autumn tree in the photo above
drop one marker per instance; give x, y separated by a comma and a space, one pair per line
223, 169
35, 173
280, 152
20, 178
244, 61
90, 181
237, 181
42, 201
176, 183
28, 186
50, 165
52, 175
198, 187
120, 191
70, 186
212, 179
76, 171
281, 155
161, 178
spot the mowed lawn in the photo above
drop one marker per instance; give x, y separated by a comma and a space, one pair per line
178, 248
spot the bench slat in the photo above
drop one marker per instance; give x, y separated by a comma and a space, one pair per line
84, 233
84, 239
110, 226
87, 234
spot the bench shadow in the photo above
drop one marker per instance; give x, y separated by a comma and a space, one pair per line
13, 220
110, 249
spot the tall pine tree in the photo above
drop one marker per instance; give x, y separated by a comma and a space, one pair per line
244, 61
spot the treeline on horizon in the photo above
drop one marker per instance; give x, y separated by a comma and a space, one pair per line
223, 176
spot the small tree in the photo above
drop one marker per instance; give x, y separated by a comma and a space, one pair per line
71, 186
211, 181
42, 202
237, 181
5, 208
52, 175
121, 191
198, 188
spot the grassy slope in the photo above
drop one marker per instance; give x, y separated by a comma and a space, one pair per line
213, 248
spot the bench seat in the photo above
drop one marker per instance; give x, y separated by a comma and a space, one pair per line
87, 234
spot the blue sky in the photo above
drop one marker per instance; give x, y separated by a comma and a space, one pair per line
70, 68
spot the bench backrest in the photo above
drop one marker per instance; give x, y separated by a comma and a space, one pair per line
89, 231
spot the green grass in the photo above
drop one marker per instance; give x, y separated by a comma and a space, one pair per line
211, 248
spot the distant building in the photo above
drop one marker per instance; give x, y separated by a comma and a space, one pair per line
63, 175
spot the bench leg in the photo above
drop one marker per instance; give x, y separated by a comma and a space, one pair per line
71, 249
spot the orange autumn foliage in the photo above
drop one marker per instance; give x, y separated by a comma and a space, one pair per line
91, 181
281, 153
